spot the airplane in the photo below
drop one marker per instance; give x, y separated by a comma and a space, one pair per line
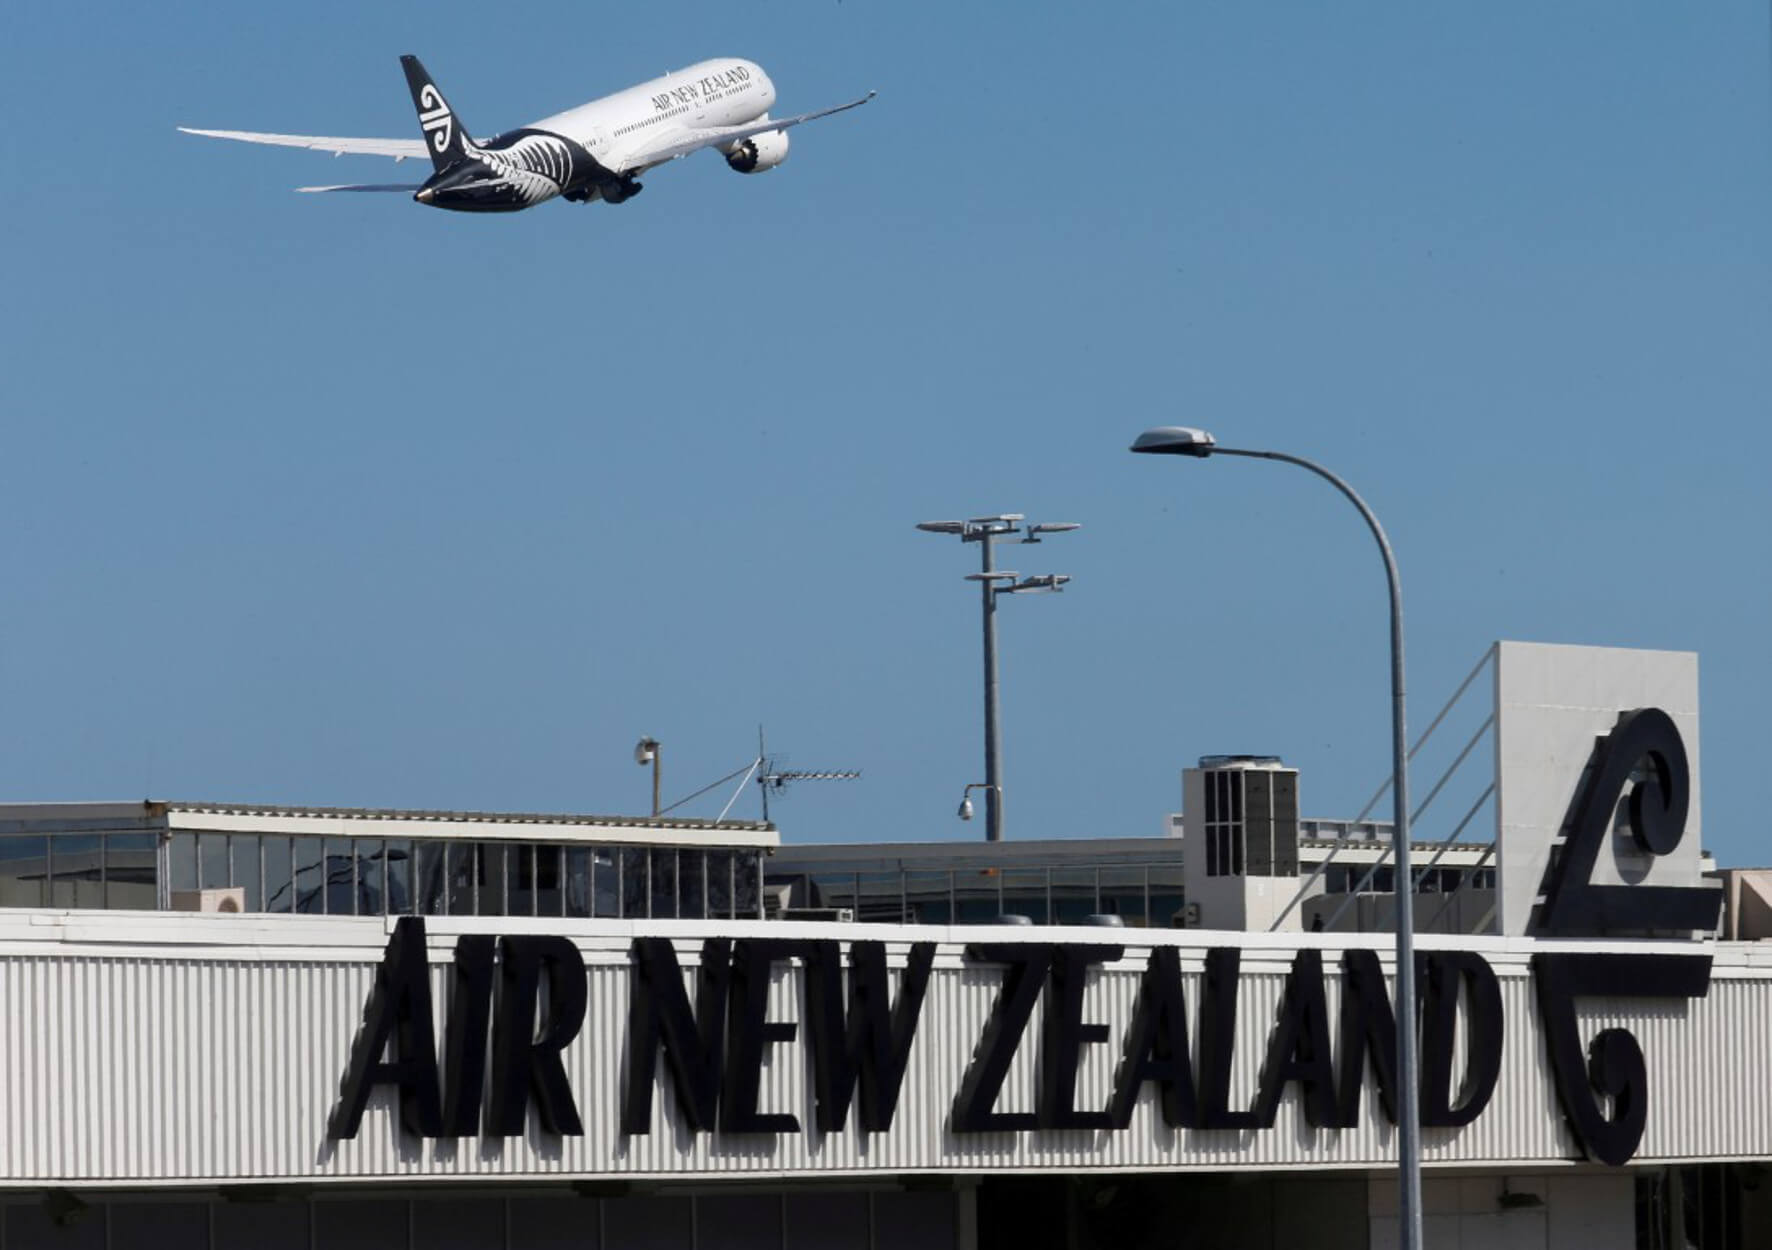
593, 152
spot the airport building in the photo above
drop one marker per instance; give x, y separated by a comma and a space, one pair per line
231, 1025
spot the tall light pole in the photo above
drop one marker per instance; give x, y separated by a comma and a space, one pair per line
1174, 440
985, 531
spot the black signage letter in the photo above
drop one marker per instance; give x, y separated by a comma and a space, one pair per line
870, 1046
520, 1060
1064, 1035
1218, 1036
399, 1007
464, 1050
1156, 1046
1368, 1027
1298, 1049
658, 1013
750, 1033
1028, 964
1439, 1029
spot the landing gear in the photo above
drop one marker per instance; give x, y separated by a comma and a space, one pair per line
624, 188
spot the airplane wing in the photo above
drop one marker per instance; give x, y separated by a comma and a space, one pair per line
681, 144
369, 186
399, 149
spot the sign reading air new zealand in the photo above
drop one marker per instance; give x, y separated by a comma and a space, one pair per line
858, 1033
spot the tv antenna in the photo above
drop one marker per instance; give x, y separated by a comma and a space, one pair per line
773, 777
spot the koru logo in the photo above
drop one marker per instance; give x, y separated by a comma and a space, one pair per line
435, 117
1639, 771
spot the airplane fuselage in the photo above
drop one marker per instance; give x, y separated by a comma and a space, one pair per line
572, 153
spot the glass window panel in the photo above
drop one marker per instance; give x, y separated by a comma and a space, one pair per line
457, 1223
738, 1222
914, 1218
520, 867
367, 887
279, 1225
379, 1224
691, 902
664, 882
747, 891
310, 875
648, 1223
834, 889
635, 878
182, 859
575, 884
429, 879
606, 882
1073, 895
130, 871
156, 1225
927, 898
23, 863
827, 1221
1024, 893
339, 876
717, 869
493, 878
29, 1226
555, 1224
1123, 895
77, 861
550, 880
976, 895
259, 1226
212, 861
246, 869
463, 865
1166, 893
880, 897
397, 876
279, 874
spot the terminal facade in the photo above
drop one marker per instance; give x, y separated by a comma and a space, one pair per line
238, 1025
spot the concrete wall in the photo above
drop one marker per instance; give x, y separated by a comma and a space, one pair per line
1576, 1211
1551, 704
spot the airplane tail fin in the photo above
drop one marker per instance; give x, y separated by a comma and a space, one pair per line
445, 136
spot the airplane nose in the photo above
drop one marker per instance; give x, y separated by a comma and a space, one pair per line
424, 195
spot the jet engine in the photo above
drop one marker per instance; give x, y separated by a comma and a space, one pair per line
759, 152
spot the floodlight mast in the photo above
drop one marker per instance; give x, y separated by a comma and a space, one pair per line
993, 582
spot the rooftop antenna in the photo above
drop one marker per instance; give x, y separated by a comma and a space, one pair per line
772, 776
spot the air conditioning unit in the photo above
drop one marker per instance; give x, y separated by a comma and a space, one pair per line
842, 915
231, 899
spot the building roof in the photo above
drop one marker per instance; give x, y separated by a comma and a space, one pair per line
295, 821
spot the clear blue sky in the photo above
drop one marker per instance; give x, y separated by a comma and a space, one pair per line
341, 500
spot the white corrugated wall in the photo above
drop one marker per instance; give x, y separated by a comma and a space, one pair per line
150, 1048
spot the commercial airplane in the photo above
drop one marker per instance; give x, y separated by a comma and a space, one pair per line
593, 152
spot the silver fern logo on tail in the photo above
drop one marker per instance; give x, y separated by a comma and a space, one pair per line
435, 117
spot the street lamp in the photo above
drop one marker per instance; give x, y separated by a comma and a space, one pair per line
992, 582
648, 751
1175, 440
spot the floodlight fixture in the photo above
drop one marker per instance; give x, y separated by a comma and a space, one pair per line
1048, 583
992, 581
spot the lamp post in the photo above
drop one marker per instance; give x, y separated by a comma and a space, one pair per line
648, 751
985, 531
1180, 441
